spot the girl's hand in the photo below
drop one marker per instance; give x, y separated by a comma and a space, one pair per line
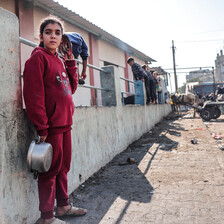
69, 57
43, 138
65, 48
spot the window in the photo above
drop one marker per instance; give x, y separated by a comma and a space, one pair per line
106, 63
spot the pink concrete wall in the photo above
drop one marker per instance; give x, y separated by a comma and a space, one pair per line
26, 28
94, 74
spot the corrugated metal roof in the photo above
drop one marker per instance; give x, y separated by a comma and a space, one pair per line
72, 17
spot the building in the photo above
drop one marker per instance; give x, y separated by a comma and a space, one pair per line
202, 75
190, 87
206, 88
219, 67
104, 48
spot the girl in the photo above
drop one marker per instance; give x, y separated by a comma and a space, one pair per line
49, 83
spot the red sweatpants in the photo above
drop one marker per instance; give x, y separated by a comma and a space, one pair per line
53, 184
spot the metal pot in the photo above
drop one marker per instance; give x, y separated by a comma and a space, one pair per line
39, 156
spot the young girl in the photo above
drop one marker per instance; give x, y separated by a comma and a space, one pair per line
49, 83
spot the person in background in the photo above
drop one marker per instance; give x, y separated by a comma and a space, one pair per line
219, 93
155, 76
147, 86
159, 90
140, 74
137, 70
220, 90
51, 81
168, 100
79, 48
151, 83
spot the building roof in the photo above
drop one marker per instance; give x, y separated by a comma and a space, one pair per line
159, 70
73, 18
201, 71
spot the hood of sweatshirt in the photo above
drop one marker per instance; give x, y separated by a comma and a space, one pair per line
44, 50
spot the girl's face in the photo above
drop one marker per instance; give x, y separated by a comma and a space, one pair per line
51, 37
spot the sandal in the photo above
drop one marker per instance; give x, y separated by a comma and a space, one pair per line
73, 211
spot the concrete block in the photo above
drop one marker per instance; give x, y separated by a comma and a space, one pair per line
139, 93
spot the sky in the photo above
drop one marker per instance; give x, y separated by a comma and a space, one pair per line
196, 26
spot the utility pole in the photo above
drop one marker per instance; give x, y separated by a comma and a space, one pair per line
174, 67
213, 74
170, 83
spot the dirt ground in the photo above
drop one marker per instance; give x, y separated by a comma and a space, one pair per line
166, 179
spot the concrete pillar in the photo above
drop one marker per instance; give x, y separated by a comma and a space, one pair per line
111, 81
18, 190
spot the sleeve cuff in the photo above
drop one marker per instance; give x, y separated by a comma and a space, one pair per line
42, 132
70, 63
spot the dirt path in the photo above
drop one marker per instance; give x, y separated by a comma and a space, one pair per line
173, 181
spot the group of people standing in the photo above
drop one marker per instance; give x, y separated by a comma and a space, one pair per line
152, 81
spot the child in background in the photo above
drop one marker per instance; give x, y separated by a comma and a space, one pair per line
159, 90
137, 70
155, 76
147, 84
49, 83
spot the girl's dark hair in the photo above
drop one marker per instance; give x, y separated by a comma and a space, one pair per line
45, 22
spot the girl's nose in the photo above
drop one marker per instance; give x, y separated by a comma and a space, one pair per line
53, 35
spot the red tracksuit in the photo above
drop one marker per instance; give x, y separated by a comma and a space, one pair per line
48, 87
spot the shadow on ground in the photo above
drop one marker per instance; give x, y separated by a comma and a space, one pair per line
123, 182
215, 121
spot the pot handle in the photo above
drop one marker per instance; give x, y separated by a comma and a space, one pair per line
38, 139
35, 175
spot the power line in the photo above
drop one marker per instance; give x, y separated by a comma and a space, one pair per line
208, 31
199, 67
179, 72
196, 41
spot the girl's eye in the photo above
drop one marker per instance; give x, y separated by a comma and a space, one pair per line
47, 32
58, 33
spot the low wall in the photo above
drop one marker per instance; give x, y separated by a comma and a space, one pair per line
99, 133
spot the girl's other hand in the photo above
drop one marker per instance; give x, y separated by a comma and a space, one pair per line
69, 57
65, 48
43, 138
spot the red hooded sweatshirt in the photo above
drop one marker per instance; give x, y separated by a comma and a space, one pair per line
48, 87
